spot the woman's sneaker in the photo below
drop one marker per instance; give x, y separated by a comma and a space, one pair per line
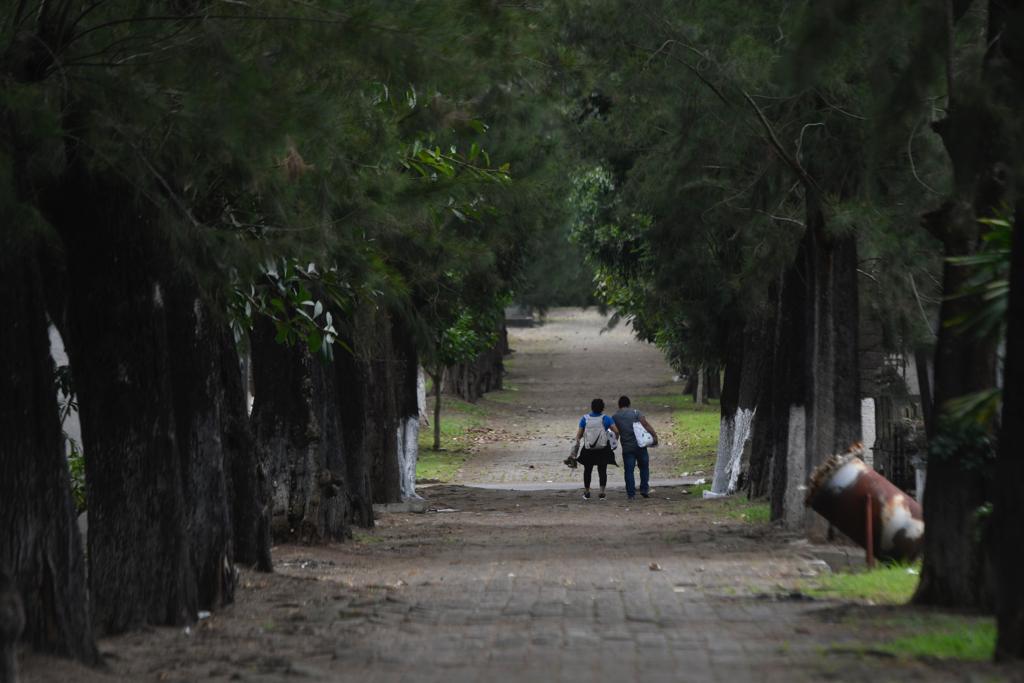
586, 495
601, 496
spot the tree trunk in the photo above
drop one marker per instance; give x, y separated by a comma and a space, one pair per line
785, 429
140, 569
437, 378
954, 571
690, 387
740, 392
383, 412
1008, 529
981, 133
12, 624
42, 568
700, 391
714, 386
831, 366
248, 484
353, 398
296, 419
407, 404
200, 418
764, 436
728, 405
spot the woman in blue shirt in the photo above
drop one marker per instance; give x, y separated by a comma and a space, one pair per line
596, 451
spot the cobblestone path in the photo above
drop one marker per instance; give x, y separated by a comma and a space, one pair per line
534, 585
554, 372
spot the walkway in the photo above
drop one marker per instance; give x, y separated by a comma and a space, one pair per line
532, 586
554, 372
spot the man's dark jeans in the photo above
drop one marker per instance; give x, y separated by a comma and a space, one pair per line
630, 459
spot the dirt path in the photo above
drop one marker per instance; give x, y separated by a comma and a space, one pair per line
555, 370
532, 586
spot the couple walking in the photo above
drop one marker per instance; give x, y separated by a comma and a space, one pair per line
596, 430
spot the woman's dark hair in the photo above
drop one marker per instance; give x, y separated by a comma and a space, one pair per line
623, 401
596, 406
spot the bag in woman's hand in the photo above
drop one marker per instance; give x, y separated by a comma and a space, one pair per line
571, 462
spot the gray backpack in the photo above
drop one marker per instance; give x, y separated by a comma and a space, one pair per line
595, 436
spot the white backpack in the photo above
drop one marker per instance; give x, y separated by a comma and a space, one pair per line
595, 436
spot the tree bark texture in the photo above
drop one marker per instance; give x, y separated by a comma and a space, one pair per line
784, 392
1008, 531
42, 567
296, 418
831, 366
954, 571
12, 624
437, 380
140, 568
353, 377
1009, 506
471, 380
740, 391
382, 416
408, 408
200, 409
248, 483
977, 132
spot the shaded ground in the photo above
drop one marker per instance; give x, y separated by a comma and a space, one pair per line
513, 585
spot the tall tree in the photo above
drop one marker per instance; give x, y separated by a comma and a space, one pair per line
40, 549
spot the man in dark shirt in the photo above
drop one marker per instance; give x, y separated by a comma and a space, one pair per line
632, 453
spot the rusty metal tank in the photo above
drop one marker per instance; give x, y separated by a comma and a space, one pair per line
867, 507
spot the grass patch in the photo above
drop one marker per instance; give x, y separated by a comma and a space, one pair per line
887, 585
457, 418
505, 396
933, 635
749, 511
948, 638
737, 507
437, 466
694, 430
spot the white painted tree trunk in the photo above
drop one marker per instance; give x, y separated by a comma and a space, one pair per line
867, 429
421, 395
733, 435
408, 453
793, 512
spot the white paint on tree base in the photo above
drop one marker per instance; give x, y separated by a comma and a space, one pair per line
421, 395
868, 430
793, 513
733, 435
408, 454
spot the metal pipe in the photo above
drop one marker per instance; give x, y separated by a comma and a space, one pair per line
892, 528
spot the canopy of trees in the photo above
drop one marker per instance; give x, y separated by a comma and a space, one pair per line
307, 202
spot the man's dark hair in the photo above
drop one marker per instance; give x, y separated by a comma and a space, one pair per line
623, 401
596, 406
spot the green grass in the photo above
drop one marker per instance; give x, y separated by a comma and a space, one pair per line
948, 637
889, 584
932, 635
694, 430
748, 511
737, 507
457, 418
907, 633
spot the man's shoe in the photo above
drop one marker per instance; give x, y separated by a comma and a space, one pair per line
645, 494
586, 495
630, 497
